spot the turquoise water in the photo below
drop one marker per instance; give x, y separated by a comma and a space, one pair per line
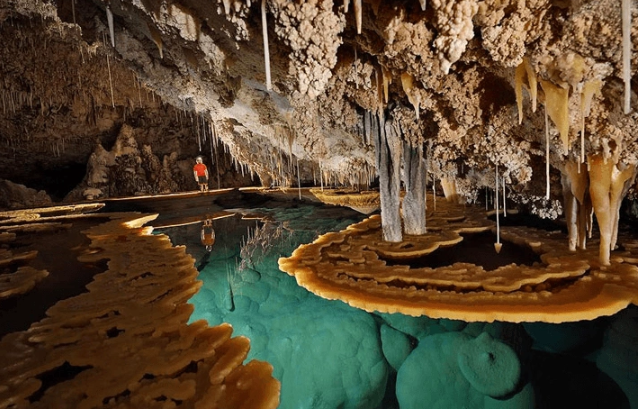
329, 355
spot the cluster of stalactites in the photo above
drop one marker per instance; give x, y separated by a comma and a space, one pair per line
600, 190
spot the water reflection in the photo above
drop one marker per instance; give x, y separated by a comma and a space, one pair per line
207, 235
328, 355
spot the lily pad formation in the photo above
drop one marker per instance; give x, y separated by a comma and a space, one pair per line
566, 286
126, 342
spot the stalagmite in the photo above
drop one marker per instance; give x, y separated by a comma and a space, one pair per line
626, 54
608, 186
556, 104
110, 81
357, 5
407, 85
414, 204
498, 245
267, 60
110, 22
547, 154
590, 89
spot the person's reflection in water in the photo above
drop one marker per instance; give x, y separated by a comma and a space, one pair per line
207, 235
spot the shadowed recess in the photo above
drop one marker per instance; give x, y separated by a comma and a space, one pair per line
476, 249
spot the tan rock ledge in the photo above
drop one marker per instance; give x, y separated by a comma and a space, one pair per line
566, 286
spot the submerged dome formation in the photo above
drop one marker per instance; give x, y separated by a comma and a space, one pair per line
126, 341
358, 267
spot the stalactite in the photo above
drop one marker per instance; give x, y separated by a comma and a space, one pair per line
346, 3
434, 195
299, 181
504, 194
321, 174
422, 3
547, 154
357, 6
109, 14
608, 185
367, 127
520, 76
110, 81
267, 60
626, 54
413, 98
498, 244
386, 80
557, 108
590, 89
532, 83
486, 198
227, 6
217, 165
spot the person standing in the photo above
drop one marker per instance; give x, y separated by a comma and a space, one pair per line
201, 174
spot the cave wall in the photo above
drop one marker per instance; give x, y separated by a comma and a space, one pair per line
175, 70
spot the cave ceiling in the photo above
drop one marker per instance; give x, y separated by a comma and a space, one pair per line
73, 71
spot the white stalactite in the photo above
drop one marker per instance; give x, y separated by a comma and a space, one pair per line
625, 24
267, 59
299, 182
498, 244
547, 154
346, 3
110, 22
504, 194
423, 4
357, 5
110, 82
